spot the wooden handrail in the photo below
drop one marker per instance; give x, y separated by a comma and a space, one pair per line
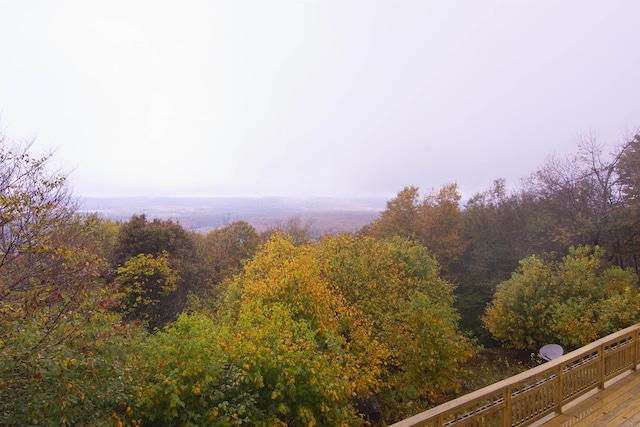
532, 395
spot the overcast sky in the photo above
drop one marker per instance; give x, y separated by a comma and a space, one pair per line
313, 97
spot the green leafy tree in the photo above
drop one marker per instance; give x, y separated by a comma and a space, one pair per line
495, 224
141, 236
103, 232
266, 370
87, 376
571, 302
162, 239
221, 254
188, 378
496, 227
628, 215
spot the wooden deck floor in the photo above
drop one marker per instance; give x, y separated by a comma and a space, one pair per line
616, 405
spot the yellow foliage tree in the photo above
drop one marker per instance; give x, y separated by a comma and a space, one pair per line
571, 302
147, 284
304, 333
379, 311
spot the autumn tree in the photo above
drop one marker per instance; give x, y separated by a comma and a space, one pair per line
573, 200
58, 338
434, 221
577, 199
285, 350
47, 263
401, 217
408, 308
569, 201
570, 302
304, 330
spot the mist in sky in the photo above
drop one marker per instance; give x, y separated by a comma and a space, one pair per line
313, 97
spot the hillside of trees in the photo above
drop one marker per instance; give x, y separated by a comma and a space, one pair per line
142, 322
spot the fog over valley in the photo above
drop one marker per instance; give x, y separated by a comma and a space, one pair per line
320, 214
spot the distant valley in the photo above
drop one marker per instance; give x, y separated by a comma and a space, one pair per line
321, 214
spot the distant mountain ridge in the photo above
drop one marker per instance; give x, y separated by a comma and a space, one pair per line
321, 214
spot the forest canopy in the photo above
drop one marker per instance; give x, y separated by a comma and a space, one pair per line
142, 322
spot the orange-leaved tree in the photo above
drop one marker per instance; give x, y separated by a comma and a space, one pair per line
434, 221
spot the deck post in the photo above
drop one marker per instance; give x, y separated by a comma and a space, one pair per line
506, 414
601, 366
559, 391
634, 350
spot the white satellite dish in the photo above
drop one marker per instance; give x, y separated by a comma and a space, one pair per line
551, 351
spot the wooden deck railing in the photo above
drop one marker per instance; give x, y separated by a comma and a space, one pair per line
528, 397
